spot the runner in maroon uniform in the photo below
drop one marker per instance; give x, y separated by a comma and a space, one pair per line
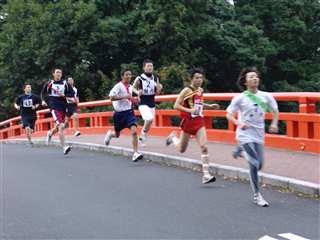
190, 103
55, 94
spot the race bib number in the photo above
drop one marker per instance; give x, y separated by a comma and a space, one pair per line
57, 90
148, 87
27, 103
198, 110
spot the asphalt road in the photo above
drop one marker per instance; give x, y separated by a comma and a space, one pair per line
86, 195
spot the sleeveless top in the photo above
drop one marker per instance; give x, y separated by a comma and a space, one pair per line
148, 86
193, 100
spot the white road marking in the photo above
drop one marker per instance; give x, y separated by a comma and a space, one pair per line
292, 236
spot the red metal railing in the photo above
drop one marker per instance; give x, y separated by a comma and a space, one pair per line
302, 129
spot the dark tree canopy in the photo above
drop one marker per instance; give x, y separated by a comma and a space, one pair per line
92, 40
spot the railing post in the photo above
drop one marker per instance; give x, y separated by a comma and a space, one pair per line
92, 120
42, 126
306, 105
162, 119
158, 120
303, 130
292, 129
231, 126
11, 131
304, 108
316, 130
82, 121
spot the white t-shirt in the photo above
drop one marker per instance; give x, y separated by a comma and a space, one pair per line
251, 114
120, 90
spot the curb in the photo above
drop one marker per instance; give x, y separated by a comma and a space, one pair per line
218, 169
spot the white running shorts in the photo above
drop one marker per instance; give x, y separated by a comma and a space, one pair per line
147, 113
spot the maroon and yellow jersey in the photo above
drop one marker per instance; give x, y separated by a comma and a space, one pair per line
193, 100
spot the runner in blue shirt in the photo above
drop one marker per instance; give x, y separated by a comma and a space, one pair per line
27, 103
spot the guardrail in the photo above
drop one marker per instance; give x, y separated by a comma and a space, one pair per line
302, 129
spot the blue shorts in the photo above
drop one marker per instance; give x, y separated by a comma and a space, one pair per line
124, 119
71, 109
28, 121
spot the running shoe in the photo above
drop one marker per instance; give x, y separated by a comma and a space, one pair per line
108, 137
136, 156
49, 137
77, 134
208, 179
66, 150
170, 137
259, 200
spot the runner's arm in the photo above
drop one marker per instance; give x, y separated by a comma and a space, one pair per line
16, 106
178, 105
136, 87
274, 123
213, 106
158, 86
68, 92
37, 102
232, 117
232, 109
44, 94
116, 98
273, 128
135, 91
17, 103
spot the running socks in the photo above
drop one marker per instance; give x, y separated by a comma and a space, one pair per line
205, 164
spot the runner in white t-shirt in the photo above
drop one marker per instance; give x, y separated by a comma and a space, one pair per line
251, 106
123, 117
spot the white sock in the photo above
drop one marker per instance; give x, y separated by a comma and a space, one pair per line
143, 132
175, 141
205, 165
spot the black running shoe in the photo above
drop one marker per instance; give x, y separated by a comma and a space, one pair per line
66, 150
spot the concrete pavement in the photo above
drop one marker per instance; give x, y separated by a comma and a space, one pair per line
86, 195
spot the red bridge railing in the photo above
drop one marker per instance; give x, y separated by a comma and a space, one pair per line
301, 130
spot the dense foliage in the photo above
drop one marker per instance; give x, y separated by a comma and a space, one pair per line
92, 39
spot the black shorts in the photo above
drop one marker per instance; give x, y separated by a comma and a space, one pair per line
28, 121
124, 119
71, 109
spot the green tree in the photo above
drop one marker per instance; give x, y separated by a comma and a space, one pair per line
93, 40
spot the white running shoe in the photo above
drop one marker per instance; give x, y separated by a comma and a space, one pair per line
77, 134
108, 137
49, 137
66, 150
259, 200
208, 179
136, 156
170, 137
